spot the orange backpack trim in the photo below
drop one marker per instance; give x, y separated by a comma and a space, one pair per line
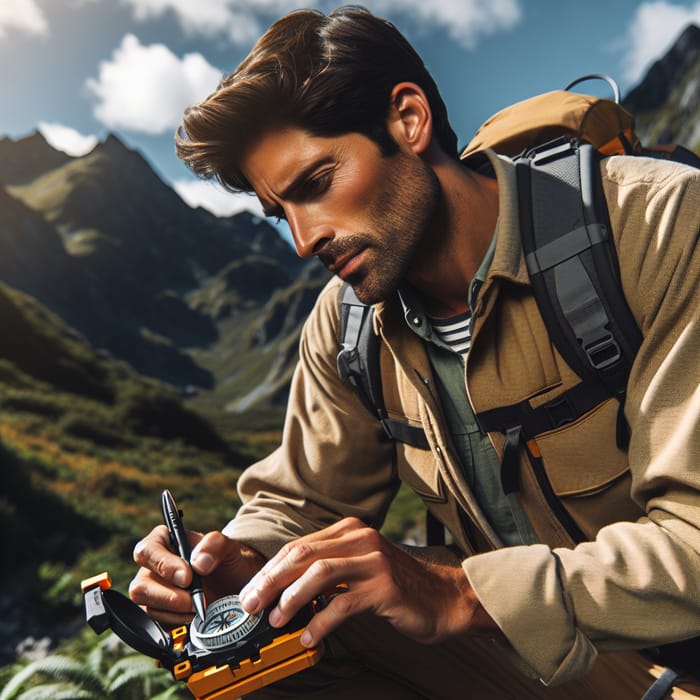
603, 123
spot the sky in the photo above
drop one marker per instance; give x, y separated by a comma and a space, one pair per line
77, 70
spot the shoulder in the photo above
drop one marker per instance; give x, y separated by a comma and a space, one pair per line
639, 180
327, 306
654, 209
650, 197
321, 331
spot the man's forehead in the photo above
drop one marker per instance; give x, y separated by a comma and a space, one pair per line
277, 155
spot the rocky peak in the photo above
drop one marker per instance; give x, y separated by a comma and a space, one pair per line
24, 159
657, 85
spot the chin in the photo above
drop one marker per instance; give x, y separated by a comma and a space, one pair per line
371, 294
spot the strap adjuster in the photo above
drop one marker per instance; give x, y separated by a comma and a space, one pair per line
603, 352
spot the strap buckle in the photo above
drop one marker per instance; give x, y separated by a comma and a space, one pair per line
603, 352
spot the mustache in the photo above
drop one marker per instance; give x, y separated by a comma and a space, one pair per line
336, 250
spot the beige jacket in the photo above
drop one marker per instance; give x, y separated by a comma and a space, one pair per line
636, 583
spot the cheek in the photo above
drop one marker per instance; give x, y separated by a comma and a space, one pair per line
356, 191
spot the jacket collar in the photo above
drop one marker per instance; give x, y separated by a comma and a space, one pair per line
508, 260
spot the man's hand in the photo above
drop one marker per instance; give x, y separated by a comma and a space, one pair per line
160, 585
423, 597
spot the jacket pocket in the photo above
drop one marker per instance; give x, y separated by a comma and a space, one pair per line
586, 470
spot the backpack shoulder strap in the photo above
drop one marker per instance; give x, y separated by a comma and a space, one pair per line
572, 262
358, 365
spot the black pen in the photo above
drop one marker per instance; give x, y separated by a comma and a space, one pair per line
178, 539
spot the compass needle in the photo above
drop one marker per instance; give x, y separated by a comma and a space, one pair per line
225, 624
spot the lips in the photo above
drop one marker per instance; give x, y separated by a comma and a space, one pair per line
347, 264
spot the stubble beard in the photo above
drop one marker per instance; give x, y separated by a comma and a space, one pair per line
400, 219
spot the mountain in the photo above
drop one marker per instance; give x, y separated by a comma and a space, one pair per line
86, 444
105, 244
666, 103
24, 159
213, 306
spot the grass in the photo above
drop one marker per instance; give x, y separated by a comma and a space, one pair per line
87, 446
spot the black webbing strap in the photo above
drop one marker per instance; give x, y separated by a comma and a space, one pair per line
566, 408
358, 364
521, 420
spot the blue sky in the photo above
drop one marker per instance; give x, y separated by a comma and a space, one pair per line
80, 69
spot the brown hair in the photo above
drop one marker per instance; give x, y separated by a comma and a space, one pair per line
327, 74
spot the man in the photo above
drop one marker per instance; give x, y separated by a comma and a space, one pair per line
335, 124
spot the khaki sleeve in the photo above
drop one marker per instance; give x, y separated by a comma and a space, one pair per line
638, 583
332, 462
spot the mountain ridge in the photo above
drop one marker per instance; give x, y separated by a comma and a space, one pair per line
204, 303
666, 102
136, 258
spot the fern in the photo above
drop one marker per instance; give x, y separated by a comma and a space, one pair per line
134, 671
58, 668
58, 691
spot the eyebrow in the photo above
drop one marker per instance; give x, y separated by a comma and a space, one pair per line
297, 183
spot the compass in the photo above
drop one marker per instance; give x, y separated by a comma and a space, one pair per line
226, 625
227, 654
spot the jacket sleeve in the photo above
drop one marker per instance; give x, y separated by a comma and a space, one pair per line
332, 462
638, 583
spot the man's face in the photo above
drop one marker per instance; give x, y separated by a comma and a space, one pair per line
363, 214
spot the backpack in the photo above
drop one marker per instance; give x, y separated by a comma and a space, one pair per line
556, 140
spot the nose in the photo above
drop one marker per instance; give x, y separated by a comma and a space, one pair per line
309, 237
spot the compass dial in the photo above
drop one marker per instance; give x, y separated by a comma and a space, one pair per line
225, 624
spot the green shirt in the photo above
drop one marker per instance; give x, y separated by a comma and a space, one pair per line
476, 454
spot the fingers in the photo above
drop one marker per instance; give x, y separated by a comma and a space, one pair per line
153, 553
349, 537
160, 584
332, 616
166, 603
361, 578
209, 552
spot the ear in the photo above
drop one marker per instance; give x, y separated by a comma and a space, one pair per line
410, 117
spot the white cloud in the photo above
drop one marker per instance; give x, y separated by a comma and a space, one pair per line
146, 88
214, 198
656, 25
464, 20
66, 139
210, 18
211, 196
22, 15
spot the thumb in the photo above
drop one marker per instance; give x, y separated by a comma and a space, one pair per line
209, 552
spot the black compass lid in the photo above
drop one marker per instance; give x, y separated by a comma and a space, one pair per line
130, 623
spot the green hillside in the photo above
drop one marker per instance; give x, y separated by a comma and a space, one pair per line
86, 447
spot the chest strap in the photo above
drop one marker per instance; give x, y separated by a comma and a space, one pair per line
521, 420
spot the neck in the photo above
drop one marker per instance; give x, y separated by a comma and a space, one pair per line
458, 240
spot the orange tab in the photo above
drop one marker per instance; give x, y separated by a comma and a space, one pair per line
534, 449
102, 580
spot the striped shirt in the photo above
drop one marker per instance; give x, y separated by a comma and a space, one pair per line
456, 331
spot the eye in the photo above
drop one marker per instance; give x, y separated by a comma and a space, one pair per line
317, 185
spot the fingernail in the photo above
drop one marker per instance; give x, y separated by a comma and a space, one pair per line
202, 561
180, 578
250, 601
274, 617
306, 638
